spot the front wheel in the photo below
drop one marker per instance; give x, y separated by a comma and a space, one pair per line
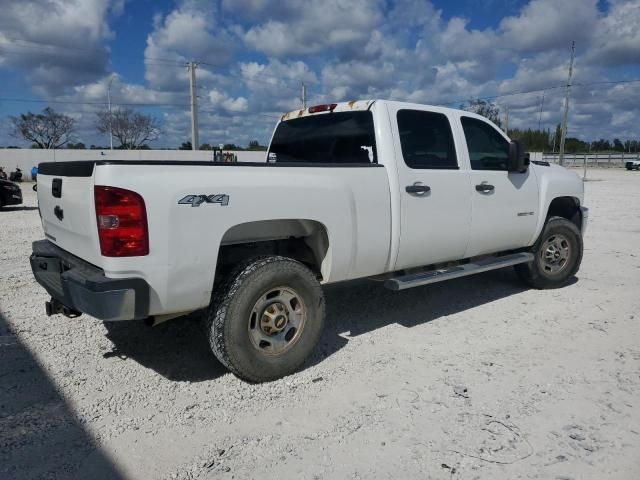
266, 319
557, 255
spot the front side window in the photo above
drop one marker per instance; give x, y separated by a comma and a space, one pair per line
340, 137
488, 150
426, 140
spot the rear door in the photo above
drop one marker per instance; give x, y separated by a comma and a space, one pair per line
504, 204
435, 201
65, 199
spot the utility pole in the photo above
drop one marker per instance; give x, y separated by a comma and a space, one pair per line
194, 105
540, 115
304, 95
584, 173
506, 120
565, 118
110, 119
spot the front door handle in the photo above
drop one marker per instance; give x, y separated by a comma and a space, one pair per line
418, 188
485, 188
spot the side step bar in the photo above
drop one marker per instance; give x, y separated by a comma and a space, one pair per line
434, 276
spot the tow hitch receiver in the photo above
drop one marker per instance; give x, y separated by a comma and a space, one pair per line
54, 307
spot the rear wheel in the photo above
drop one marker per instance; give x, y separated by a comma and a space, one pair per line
558, 254
266, 319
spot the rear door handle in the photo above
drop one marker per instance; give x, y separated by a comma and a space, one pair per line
417, 188
485, 188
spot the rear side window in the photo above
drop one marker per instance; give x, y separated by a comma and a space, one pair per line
426, 140
488, 150
341, 137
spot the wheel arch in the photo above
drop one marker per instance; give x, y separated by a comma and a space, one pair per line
565, 206
304, 240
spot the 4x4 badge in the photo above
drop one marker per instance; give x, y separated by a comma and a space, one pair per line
197, 200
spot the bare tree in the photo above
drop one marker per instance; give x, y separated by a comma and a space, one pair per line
132, 129
48, 129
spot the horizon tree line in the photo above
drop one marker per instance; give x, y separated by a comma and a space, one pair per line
135, 130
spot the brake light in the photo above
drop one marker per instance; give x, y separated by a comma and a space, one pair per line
327, 107
122, 222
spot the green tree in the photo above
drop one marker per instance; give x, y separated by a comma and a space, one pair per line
533, 140
486, 109
254, 145
617, 145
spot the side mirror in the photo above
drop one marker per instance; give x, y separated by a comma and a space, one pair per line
518, 158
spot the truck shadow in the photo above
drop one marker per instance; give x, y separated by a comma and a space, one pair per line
39, 434
361, 306
179, 350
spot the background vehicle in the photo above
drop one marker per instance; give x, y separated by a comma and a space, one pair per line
404, 193
34, 177
10, 193
16, 176
632, 165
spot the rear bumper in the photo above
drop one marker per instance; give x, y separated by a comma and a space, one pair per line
81, 286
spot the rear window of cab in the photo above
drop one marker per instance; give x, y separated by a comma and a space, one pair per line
334, 138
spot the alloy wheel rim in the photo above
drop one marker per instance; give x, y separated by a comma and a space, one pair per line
555, 254
277, 320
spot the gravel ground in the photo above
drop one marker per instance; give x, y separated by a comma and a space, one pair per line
475, 378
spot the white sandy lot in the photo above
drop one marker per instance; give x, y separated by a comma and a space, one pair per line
475, 378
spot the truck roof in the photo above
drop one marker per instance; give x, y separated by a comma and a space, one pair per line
353, 105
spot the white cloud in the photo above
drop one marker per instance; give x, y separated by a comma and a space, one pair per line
255, 54
313, 26
229, 104
617, 36
187, 33
550, 24
58, 43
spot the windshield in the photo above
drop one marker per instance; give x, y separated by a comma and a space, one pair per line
342, 137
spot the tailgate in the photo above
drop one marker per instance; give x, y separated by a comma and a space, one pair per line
65, 199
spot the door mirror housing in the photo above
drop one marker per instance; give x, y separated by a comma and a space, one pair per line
518, 158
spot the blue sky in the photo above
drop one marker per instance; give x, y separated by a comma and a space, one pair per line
253, 56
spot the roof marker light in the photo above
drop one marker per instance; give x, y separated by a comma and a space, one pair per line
326, 107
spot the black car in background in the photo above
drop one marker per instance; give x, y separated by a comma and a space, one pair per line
10, 193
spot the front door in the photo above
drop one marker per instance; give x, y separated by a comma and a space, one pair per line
435, 201
504, 206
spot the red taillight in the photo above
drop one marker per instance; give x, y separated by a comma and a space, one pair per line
122, 222
327, 107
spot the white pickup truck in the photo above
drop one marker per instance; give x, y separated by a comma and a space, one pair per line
404, 193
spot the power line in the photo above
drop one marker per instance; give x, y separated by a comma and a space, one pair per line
76, 102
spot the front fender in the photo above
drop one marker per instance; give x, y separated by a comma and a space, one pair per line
555, 181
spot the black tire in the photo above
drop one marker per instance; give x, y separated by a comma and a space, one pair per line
538, 274
35, 187
231, 321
